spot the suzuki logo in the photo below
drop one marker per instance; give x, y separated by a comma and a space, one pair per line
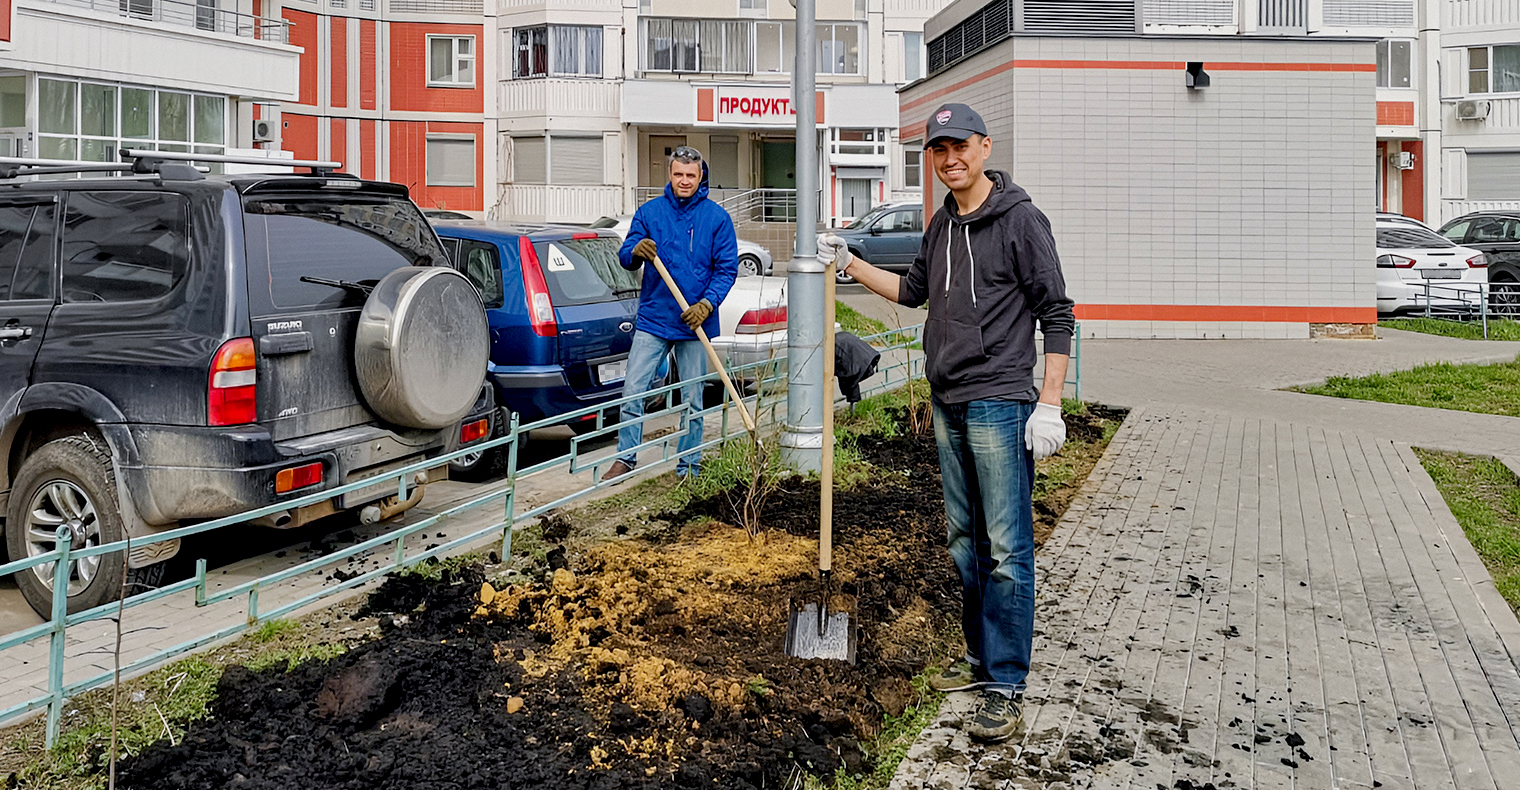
626, 326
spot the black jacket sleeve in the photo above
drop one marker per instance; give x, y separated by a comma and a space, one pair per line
913, 289
1034, 251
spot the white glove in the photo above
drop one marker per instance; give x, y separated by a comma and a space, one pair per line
1045, 431
833, 248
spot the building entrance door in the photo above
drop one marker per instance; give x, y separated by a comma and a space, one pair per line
661, 146
778, 164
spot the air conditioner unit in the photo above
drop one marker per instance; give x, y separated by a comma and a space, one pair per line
1402, 160
263, 131
1473, 110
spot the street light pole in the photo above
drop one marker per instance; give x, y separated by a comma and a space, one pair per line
802, 436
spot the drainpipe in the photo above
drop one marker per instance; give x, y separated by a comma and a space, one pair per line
802, 436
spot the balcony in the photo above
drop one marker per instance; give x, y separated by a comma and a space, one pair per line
590, 101
202, 15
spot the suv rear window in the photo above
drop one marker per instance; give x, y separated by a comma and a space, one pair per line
585, 271
1409, 237
347, 237
123, 246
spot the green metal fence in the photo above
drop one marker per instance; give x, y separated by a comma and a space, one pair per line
765, 381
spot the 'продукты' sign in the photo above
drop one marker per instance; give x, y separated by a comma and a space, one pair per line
754, 106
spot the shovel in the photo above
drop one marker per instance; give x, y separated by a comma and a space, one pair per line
712, 353
814, 631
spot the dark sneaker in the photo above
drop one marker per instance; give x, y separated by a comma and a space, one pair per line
960, 676
618, 469
996, 720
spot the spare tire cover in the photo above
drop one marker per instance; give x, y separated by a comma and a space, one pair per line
421, 348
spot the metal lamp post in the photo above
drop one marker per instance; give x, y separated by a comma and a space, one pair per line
802, 435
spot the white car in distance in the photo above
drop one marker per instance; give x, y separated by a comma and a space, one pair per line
1416, 266
754, 260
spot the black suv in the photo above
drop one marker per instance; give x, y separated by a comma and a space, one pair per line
176, 347
1497, 235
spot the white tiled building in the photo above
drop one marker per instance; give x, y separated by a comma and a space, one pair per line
1480, 104
594, 93
85, 78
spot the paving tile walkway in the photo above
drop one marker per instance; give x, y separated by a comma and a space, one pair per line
1247, 603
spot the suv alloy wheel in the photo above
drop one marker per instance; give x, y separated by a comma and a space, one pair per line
69, 482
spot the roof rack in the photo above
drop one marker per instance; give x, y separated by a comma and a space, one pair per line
317, 167
171, 164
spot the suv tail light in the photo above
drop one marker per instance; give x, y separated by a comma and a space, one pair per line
473, 431
1479, 261
1394, 262
297, 477
762, 320
540, 307
232, 394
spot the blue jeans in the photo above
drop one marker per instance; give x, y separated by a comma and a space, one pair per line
988, 475
643, 368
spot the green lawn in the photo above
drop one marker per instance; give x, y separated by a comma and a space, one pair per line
1489, 389
852, 321
1485, 497
1498, 329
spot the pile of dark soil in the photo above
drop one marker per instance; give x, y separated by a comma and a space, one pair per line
650, 661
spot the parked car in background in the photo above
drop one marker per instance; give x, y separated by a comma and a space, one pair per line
439, 213
1497, 235
887, 236
561, 311
1415, 265
184, 346
1400, 218
753, 259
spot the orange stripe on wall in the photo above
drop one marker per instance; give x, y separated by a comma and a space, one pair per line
1185, 312
1132, 65
303, 34
705, 113
6, 11
337, 56
1413, 186
298, 135
367, 151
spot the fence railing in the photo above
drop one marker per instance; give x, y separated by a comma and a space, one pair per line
1468, 302
201, 16
765, 382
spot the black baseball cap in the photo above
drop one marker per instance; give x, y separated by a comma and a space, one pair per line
956, 121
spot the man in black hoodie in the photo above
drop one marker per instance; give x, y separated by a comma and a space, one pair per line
988, 271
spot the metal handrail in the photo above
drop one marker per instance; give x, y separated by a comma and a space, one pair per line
193, 15
1464, 302
902, 362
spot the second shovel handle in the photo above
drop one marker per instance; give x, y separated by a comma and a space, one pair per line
712, 353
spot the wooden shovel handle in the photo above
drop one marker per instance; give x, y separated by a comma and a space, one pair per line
712, 353
826, 463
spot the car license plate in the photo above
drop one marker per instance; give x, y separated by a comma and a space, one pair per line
1441, 274
612, 372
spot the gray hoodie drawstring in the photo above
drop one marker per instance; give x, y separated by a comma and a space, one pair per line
969, 254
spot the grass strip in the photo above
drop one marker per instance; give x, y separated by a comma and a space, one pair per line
1484, 495
1486, 389
850, 320
1498, 329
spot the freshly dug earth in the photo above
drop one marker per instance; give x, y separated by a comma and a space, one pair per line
654, 660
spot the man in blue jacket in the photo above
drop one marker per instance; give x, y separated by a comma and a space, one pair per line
694, 238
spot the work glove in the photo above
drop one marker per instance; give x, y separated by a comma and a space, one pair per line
646, 249
833, 248
1045, 431
696, 314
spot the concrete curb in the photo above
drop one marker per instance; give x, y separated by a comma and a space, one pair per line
1498, 610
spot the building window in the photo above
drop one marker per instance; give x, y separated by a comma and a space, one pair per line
450, 160
1493, 69
577, 51
1393, 63
94, 121
752, 5
839, 49
913, 56
530, 160
451, 61
774, 43
532, 46
724, 47
913, 167
859, 142
674, 44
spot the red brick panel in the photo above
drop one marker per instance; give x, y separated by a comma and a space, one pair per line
337, 143
367, 152
705, 112
409, 70
1414, 181
338, 63
6, 11
369, 63
303, 34
409, 164
298, 134
1395, 113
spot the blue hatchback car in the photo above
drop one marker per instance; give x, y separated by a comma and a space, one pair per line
561, 310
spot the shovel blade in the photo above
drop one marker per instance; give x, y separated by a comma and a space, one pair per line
834, 642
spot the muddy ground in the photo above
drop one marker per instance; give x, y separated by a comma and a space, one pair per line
653, 659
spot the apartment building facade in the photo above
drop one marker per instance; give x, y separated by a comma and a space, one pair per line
1210, 169
1479, 94
84, 79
